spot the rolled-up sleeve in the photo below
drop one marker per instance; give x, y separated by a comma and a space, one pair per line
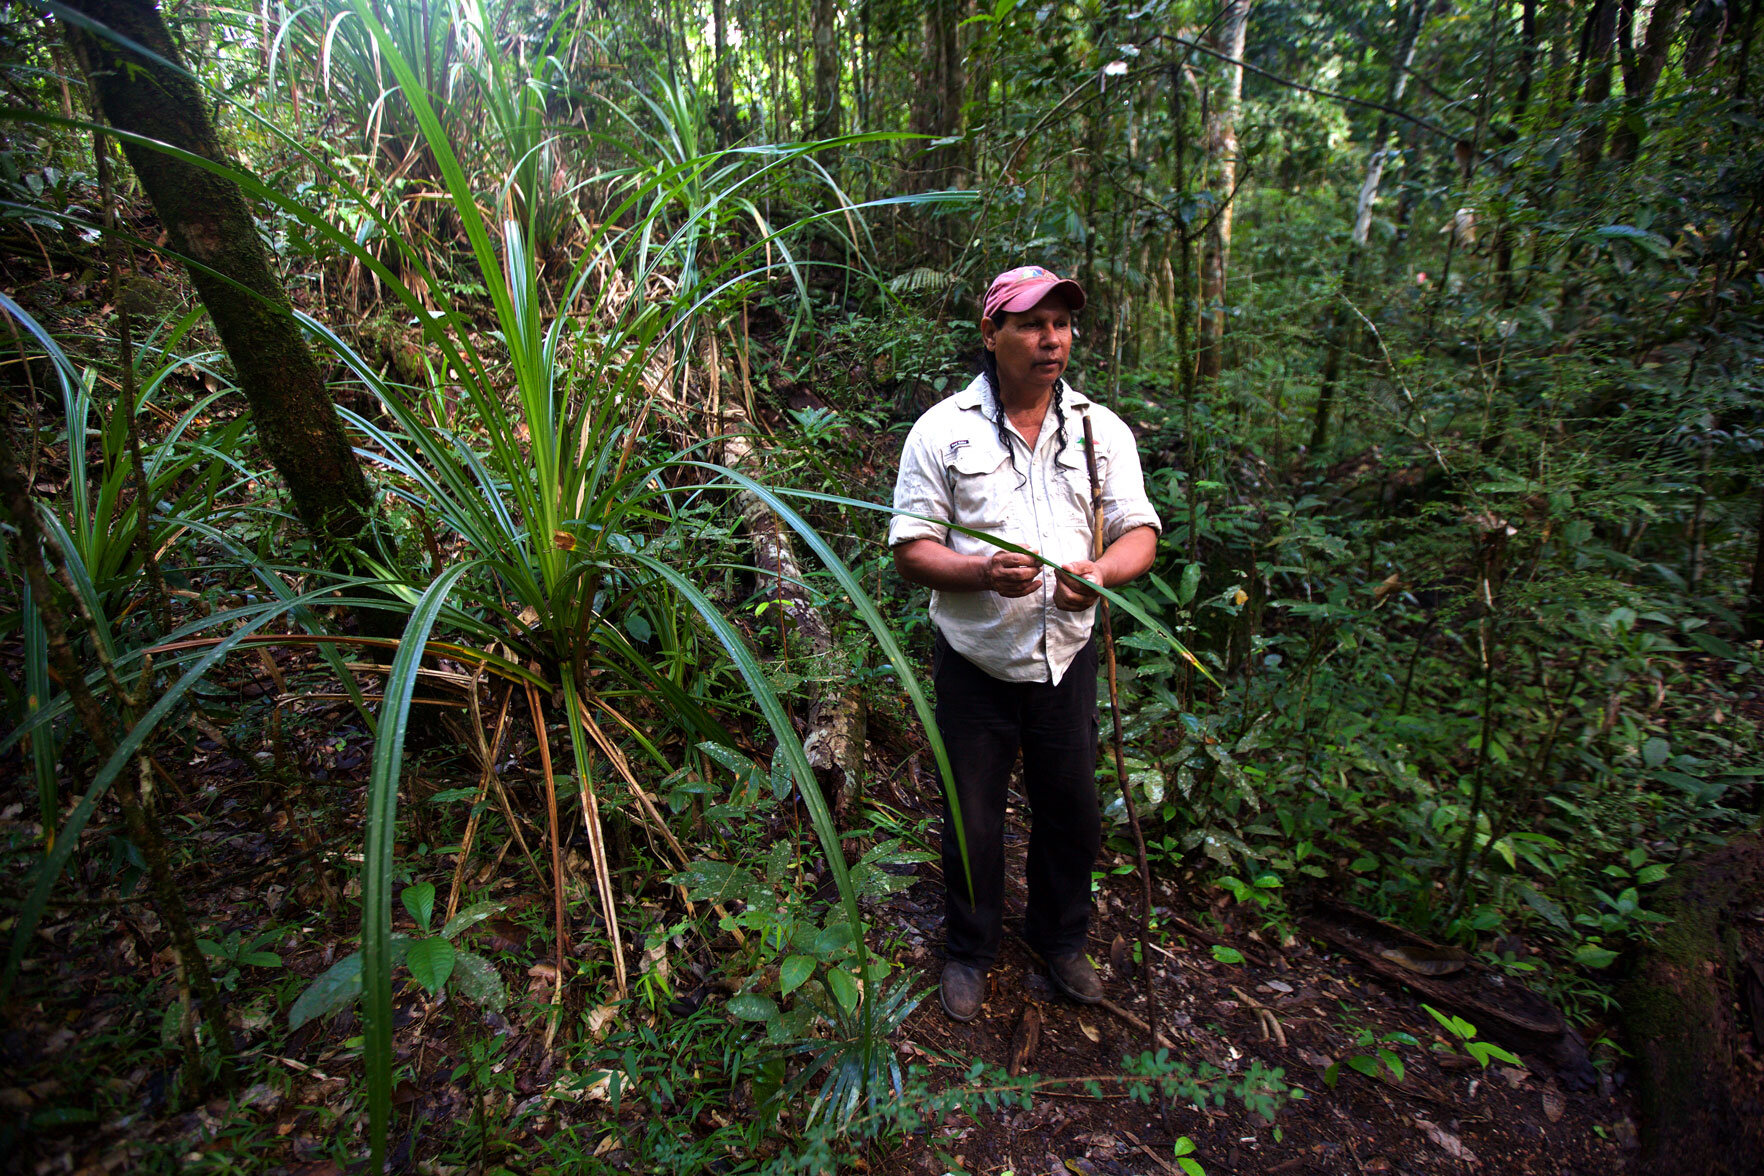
1125, 503
921, 489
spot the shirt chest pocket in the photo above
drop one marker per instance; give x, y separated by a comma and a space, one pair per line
1070, 487
982, 485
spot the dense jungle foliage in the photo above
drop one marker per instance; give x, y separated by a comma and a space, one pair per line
446, 459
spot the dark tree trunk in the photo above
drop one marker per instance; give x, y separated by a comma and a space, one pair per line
1222, 168
208, 223
1755, 599
1503, 248
725, 88
1601, 29
1685, 1012
938, 110
1341, 327
1705, 29
1743, 62
825, 121
1640, 73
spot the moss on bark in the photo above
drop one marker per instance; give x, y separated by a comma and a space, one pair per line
1678, 1012
208, 222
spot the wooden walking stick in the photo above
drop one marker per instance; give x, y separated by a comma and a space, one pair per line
1145, 887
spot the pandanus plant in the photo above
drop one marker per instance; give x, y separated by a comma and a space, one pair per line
561, 521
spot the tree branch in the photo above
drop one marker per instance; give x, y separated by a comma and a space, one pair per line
1430, 128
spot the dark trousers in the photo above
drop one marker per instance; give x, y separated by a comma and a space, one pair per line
984, 723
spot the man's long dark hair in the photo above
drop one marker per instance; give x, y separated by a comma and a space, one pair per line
989, 369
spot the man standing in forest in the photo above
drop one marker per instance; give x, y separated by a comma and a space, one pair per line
1015, 658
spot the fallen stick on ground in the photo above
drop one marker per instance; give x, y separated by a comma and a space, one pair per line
1264, 1014
1135, 1020
1160, 1161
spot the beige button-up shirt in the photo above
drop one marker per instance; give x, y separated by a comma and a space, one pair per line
955, 470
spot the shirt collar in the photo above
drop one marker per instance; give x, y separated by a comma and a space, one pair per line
975, 397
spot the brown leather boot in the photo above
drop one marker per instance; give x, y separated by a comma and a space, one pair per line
1074, 976
962, 990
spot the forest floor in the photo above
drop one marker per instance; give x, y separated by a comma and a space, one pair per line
89, 1053
1446, 1114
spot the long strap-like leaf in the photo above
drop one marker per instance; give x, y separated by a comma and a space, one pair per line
376, 868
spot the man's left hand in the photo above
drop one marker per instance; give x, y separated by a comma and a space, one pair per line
1072, 595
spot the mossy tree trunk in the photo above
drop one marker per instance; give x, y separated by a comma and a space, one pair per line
208, 223
1679, 1011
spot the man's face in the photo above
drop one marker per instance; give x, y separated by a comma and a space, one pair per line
1031, 346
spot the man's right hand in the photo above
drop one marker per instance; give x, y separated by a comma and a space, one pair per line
933, 564
1010, 574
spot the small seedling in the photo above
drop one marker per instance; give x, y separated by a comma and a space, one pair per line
235, 952
1369, 1063
1465, 1032
433, 961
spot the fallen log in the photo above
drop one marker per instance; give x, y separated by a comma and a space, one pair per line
1502, 1009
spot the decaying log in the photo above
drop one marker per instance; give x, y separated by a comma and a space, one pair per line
1502, 1009
835, 739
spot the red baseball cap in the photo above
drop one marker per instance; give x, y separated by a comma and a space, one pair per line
1024, 287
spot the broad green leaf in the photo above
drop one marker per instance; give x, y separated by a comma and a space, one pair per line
796, 970
1713, 645
751, 1006
874, 882
1543, 906
1651, 242
1504, 847
1189, 584
449, 795
1365, 1065
713, 881
476, 978
1589, 955
1656, 751
781, 784
728, 757
833, 940
844, 988
1227, 955
329, 991
470, 917
419, 901
1482, 1051
431, 961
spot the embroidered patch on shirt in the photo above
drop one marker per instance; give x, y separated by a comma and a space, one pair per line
955, 445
